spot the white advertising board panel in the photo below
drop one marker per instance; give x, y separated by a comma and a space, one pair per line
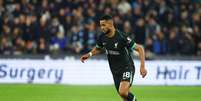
96, 72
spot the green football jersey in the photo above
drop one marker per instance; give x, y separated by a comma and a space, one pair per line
118, 50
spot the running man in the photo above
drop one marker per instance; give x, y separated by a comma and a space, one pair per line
117, 46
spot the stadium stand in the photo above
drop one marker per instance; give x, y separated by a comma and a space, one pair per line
164, 27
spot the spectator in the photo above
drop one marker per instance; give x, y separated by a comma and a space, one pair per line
199, 49
59, 40
149, 47
173, 42
124, 7
88, 35
197, 37
5, 47
41, 26
127, 27
152, 26
139, 31
19, 46
186, 42
159, 43
42, 47
91, 37
75, 42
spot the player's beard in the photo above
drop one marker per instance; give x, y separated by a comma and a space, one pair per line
107, 32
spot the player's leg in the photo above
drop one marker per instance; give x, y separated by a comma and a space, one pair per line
124, 87
125, 80
124, 91
117, 79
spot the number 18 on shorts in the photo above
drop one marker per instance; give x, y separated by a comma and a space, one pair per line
128, 76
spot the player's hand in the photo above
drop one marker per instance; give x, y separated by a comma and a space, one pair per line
143, 71
84, 57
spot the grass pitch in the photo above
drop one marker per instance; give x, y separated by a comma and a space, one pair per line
35, 92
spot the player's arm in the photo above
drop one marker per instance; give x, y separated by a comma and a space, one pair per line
130, 43
141, 54
94, 51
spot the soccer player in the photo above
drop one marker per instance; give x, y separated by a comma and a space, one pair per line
117, 46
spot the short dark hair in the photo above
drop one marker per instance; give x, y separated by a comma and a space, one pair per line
106, 17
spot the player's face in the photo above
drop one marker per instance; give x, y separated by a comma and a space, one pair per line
105, 26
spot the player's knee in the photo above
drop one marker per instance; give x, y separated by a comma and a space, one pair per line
123, 93
123, 89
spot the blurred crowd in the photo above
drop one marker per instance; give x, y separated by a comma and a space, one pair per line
163, 27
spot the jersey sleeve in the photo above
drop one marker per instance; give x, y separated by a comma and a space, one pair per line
129, 42
99, 43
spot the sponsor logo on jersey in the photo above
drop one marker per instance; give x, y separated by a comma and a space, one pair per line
129, 39
115, 45
112, 52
